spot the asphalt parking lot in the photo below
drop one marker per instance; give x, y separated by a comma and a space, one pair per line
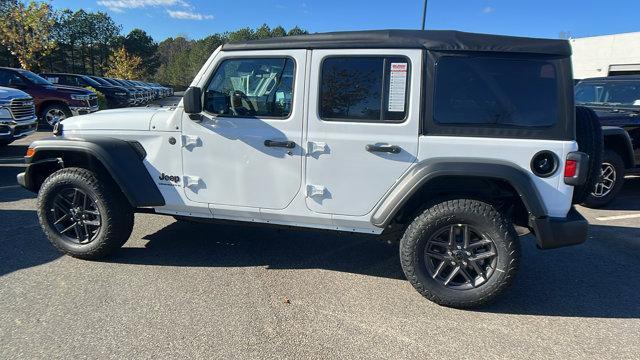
181, 290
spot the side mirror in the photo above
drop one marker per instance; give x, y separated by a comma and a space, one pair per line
192, 100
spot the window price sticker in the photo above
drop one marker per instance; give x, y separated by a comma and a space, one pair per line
397, 87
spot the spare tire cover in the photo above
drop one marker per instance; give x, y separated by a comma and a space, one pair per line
590, 141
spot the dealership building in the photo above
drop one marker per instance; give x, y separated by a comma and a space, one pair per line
607, 55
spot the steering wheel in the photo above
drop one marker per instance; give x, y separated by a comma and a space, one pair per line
239, 100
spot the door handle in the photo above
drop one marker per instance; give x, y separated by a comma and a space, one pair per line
284, 144
392, 149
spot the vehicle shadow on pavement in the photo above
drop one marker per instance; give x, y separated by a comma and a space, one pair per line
13, 151
629, 196
27, 246
9, 188
217, 245
599, 278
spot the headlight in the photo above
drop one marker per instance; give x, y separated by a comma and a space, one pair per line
5, 114
80, 97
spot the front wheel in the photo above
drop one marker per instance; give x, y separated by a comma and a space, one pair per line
83, 215
610, 182
55, 113
460, 253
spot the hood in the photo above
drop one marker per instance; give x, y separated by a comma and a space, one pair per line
117, 119
10, 94
617, 117
68, 89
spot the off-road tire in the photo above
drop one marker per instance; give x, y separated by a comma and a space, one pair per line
117, 215
613, 158
590, 141
479, 214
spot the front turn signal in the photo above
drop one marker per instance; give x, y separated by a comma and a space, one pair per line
30, 152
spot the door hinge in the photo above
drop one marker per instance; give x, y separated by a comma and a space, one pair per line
315, 190
191, 141
316, 147
190, 181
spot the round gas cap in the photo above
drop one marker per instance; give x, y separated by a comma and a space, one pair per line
544, 163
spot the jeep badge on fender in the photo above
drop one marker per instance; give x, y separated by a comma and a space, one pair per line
172, 178
425, 138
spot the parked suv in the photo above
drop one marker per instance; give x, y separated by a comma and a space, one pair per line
116, 96
441, 140
139, 95
616, 101
54, 103
17, 115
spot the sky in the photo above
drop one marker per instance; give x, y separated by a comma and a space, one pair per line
196, 19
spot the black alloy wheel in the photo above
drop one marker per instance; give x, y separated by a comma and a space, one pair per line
460, 257
74, 214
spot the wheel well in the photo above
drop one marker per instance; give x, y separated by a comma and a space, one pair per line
617, 144
69, 159
46, 103
497, 192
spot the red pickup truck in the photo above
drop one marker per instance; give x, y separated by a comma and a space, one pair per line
53, 102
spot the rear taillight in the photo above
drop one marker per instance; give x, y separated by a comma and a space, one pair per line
576, 167
570, 168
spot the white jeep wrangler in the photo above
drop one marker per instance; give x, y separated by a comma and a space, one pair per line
441, 139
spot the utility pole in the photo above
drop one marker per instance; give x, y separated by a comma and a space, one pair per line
424, 14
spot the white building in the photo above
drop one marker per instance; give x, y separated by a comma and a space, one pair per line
596, 56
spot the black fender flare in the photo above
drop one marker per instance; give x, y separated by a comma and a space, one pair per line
123, 160
429, 170
623, 141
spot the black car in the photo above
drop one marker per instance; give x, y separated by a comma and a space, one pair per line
616, 101
138, 95
116, 96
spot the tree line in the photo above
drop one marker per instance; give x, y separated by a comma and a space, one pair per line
37, 37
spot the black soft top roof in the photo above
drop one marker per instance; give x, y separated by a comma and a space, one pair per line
443, 40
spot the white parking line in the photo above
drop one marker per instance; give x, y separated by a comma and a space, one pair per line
618, 217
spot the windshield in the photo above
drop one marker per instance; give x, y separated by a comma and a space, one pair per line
618, 93
116, 82
101, 81
90, 81
34, 78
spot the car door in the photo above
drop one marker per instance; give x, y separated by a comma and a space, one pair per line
245, 148
363, 122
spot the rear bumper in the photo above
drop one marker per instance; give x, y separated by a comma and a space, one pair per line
553, 233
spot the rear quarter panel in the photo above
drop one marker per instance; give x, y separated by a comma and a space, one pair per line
518, 152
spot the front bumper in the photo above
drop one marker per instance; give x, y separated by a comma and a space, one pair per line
83, 110
12, 129
553, 233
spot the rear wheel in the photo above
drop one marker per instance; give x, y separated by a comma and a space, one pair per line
609, 183
460, 253
82, 215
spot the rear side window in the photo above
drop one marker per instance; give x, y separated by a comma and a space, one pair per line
364, 88
491, 91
